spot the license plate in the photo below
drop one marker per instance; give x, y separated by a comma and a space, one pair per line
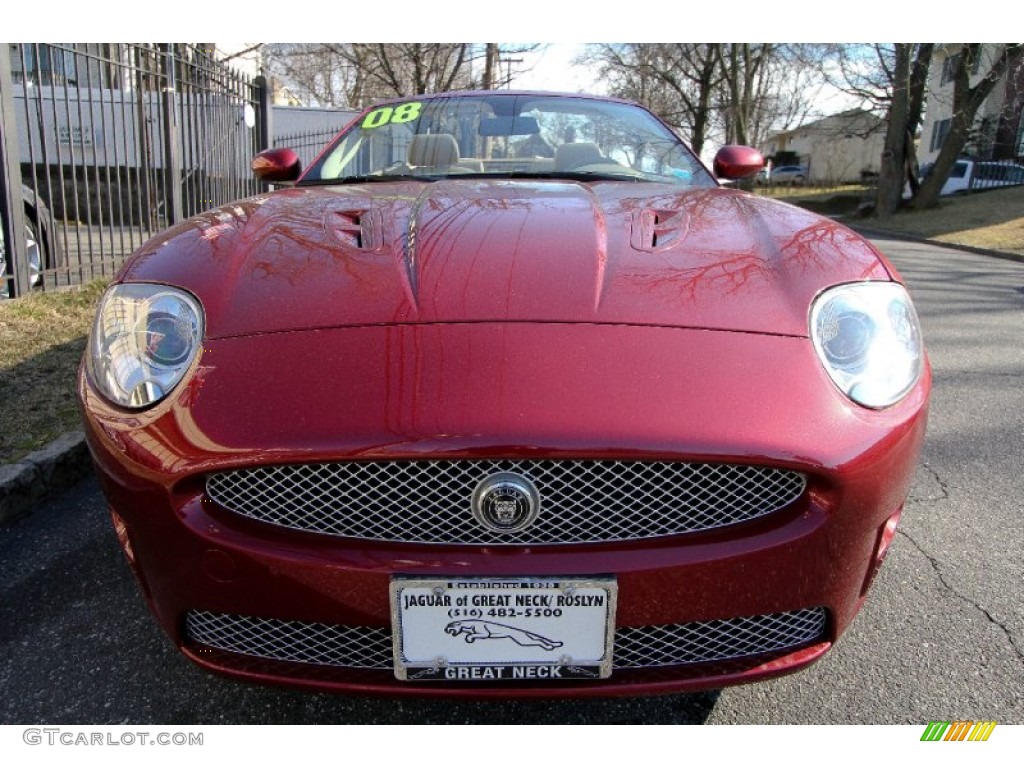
480, 630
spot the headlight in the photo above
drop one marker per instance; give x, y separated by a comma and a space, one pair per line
144, 339
868, 338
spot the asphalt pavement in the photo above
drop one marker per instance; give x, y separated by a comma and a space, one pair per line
940, 637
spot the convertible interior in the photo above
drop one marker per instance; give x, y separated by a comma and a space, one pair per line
438, 154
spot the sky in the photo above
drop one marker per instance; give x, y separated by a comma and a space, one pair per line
551, 69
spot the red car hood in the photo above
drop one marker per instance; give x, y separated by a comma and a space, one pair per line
506, 250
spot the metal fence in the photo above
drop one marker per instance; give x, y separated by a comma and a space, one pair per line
968, 175
103, 145
307, 144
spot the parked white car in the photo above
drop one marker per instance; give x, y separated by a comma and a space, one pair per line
784, 174
970, 175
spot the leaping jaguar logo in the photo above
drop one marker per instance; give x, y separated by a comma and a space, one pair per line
488, 630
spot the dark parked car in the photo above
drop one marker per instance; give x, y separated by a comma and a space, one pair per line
448, 418
40, 237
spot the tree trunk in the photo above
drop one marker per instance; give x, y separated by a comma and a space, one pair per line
702, 112
915, 114
928, 195
891, 173
490, 59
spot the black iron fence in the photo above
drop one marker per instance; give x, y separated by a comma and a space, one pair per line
105, 144
307, 144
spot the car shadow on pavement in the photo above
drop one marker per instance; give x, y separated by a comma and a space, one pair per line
685, 709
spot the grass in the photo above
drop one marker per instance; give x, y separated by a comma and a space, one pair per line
992, 219
42, 337
793, 194
840, 200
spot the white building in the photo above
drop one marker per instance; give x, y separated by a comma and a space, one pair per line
998, 129
834, 149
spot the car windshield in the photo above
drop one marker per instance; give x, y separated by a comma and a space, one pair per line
511, 135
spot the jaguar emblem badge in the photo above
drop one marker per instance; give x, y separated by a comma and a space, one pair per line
506, 502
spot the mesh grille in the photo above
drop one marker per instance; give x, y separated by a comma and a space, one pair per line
302, 641
662, 646
635, 648
428, 502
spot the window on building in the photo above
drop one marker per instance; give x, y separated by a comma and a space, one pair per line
83, 64
952, 63
949, 67
45, 65
940, 129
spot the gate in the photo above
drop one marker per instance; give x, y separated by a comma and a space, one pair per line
103, 145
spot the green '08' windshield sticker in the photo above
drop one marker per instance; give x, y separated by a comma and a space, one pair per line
403, 113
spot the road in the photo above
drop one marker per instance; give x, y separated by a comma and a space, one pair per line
941, 636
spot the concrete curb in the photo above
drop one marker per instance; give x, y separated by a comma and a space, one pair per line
41, 474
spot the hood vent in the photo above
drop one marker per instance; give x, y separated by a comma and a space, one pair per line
655, 229
361, 228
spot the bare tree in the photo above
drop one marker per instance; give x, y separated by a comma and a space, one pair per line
677, 81
406, 69
358, 74
864, 71
503, 63
734, 93
742, 66
900, 87
890, 79
491, 65
318, 74
789, 87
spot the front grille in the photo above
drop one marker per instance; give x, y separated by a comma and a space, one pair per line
581, 501
635, 647
670, 644
302, 641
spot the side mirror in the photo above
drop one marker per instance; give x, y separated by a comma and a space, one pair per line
734, 161
276, 165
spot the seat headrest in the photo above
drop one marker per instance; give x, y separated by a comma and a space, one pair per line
434, 149
569, 156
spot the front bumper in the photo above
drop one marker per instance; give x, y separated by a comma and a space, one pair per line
408, 392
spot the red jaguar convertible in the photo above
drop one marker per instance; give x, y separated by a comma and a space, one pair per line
506, 395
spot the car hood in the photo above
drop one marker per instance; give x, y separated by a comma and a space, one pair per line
485, 250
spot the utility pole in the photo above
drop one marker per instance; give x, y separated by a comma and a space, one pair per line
508, 70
